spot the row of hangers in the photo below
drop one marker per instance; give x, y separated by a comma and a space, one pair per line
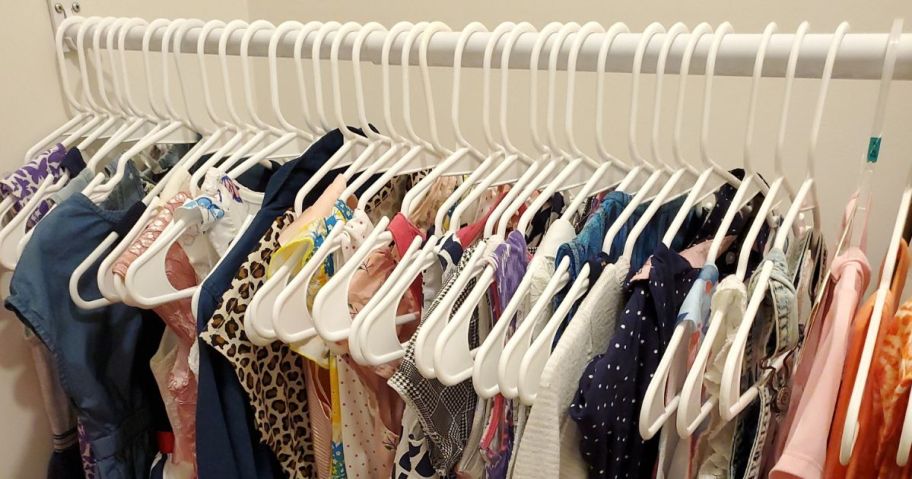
279, 311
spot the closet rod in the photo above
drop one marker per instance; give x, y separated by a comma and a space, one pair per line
861, 55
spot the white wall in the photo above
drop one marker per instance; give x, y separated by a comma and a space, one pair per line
30, 102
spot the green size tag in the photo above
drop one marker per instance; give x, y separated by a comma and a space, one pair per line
873, 149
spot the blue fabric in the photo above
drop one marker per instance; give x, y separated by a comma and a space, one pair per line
228, 444
587, 246
614, 383
102, 355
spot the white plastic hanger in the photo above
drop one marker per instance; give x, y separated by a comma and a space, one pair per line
850, 433
259, 314
657, 407
423, 155
103, 188
731, 400
508, 357
333, 323
260, 130
283, 136
111, 117
692, 410
354, 146
12, 233
373, 339
426, 338
292, 320
110, 286
117, 288
452, 354
15, 229
905, 439
863, 203
241, 131
83, 113
123, 133
524, 186
535, 359
375, 328
485, 368
511, 360
453, 357
146, 281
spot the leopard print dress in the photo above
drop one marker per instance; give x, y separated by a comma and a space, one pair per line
273, 375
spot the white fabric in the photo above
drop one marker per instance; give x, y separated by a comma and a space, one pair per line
715, 444
541, 268
549, 446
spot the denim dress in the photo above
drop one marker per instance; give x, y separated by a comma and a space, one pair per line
102, 355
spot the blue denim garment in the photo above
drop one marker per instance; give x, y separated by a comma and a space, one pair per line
102, 355
228, 444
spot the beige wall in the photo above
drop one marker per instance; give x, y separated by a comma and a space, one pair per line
31, 104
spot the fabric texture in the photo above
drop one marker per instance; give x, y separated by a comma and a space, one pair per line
101, 354
549, 446
228, 444
272, 375
805, 451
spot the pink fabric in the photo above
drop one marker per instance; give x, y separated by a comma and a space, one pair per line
180, 383
319, 408
372, 416
805, 449
470, 233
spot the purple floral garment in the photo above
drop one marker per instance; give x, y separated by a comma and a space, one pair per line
22, 183
511, 259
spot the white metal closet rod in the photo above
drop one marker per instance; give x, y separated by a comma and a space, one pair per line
861, 55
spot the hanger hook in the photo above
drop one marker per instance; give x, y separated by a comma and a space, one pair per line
543, 36
794, 54
315, 53
366, 30
553, 57
404, 64
278, 34
111, 47
511, 39
601, 70
755, 93
695, 36
493, 40
249, 93
339, 37
227, 31
207, 30
670, 37
719, 35
645, 38
105, 25
467, 32
189, 24
150, 31
426, 39
391, 36
61, 62
300, 38
585, 32
83, 66
165, 57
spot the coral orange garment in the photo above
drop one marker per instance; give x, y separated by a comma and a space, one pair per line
870, 416
892, 373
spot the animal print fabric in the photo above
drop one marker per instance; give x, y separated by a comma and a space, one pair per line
273, 375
